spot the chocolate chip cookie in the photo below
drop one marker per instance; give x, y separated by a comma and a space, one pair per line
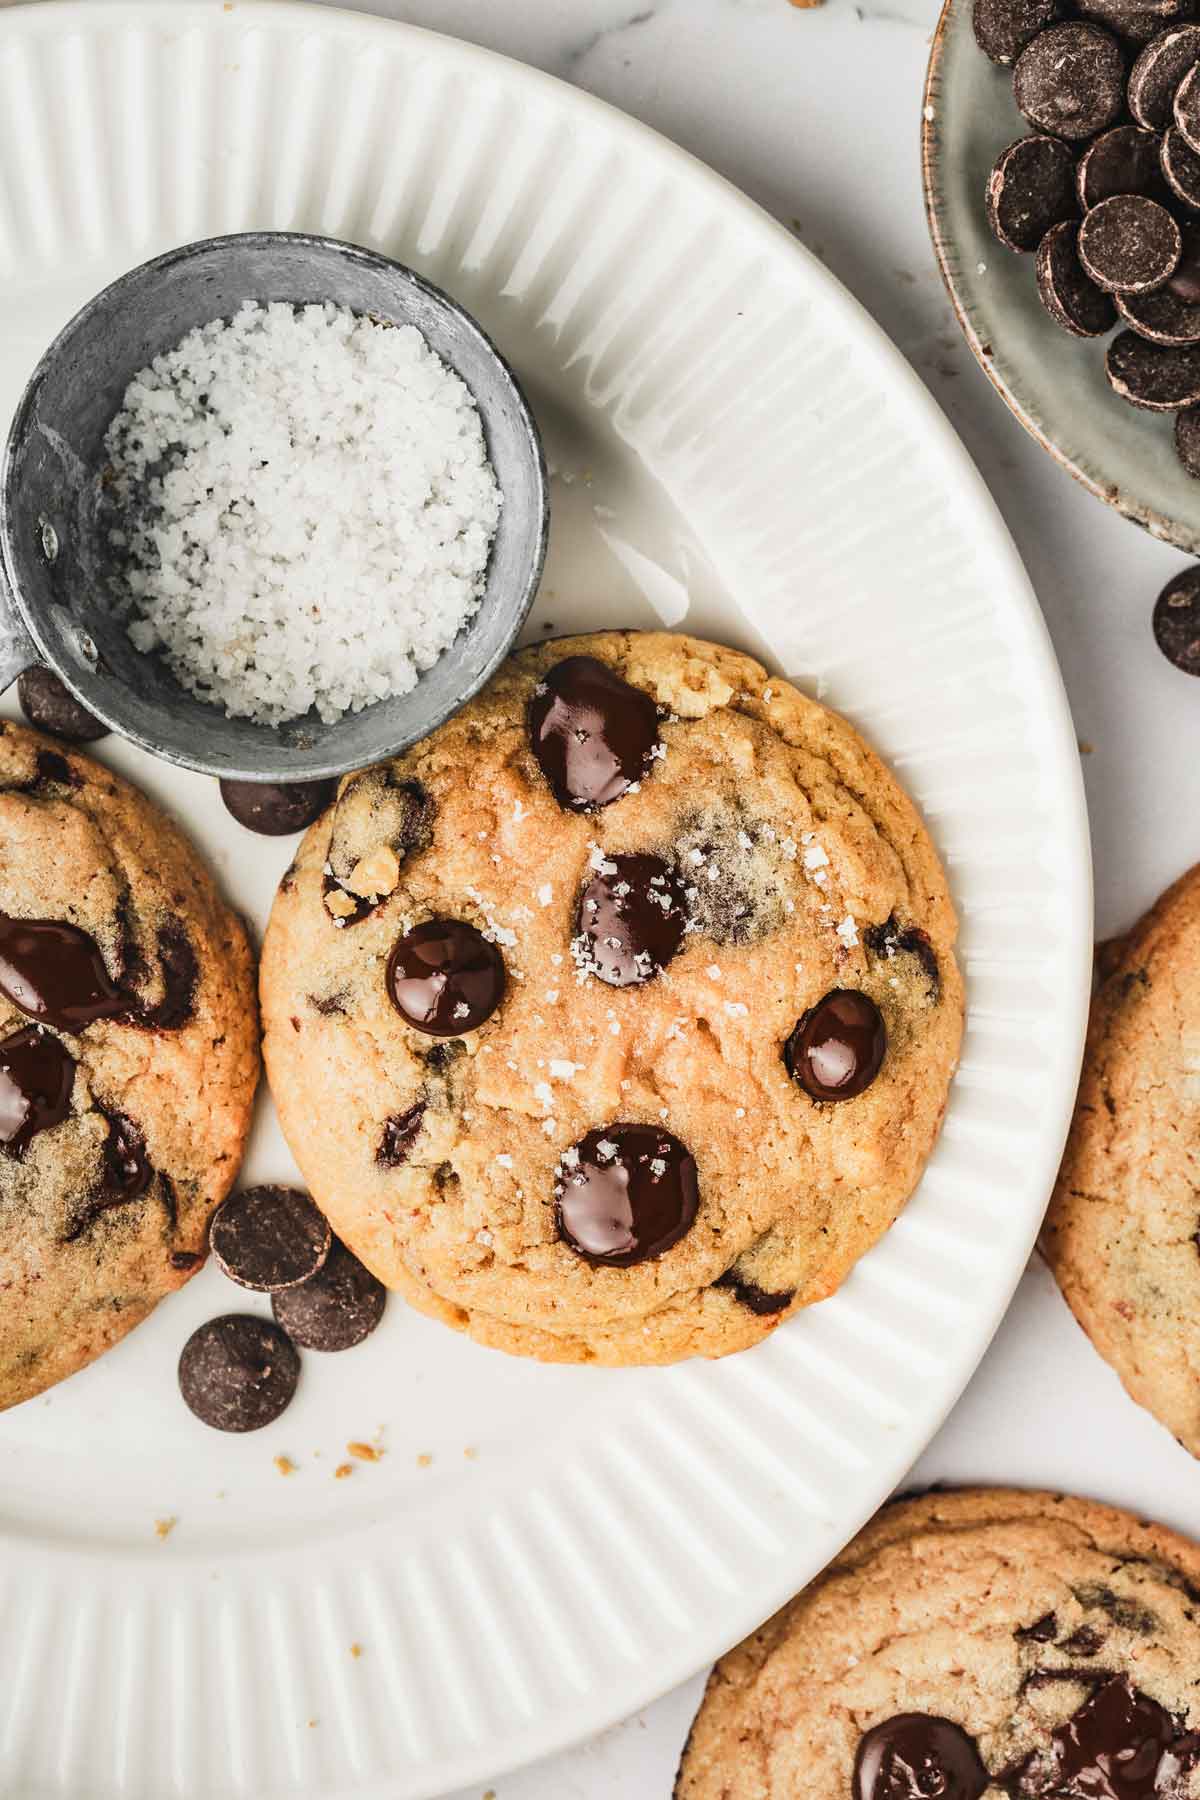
128, 1059
987, 1641
614, 1021
1123, 1231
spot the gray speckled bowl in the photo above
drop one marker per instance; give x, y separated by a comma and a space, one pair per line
1054, 383
52, 605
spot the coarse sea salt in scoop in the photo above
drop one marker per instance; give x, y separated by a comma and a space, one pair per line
300, 509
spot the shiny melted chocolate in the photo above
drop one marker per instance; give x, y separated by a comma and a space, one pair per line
55, 973
444, 977
626, 1194
593, 735
838, 1047
915, 1756
631, 920
37, 1074
1119, 1745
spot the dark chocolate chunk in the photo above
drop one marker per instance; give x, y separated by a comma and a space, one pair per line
916, 1757
1187, 441
1161, 318
631, 919
268, 1238
1042, 1631
1129, 244
37, 1074
1136, 21
55, 973
1180, 167
1031, 188
1086, 1641
625, 1194
238, 1373
53, 768
400, 1133
1153, 376
593, 734
277, 809
180, 977
1157, 73
51, 707
761, 1301
1125, 160
1070, 81
837, 1048
1186, 107
127, 1168
891, 939
1119, 1745
1004, 27
337, 1308
1072, 300
444, 977
1177, 620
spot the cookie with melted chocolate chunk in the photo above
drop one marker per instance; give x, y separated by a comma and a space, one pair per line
128, 1058
985, 1641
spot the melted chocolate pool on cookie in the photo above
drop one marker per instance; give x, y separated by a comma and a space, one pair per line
593, 735
837, 1048
56, 974
1120, 1745
37, 1075
631, 921
916, 1757
443, 977
626, 1194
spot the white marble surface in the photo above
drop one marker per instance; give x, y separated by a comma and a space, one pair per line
815, 114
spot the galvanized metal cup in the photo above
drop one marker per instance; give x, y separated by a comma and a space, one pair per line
54, 604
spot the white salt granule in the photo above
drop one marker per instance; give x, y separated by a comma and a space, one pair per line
306, 508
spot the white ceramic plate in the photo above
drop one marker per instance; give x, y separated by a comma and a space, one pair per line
1055, 384
737, 450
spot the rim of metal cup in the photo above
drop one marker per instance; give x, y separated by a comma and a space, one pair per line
24, 618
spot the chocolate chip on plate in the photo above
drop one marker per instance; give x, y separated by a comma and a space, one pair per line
1070, 80
1187, 107
1177, 619
1136, 21
1004, 27
1129, 244
625, 1194
444, 977
275, 808
593, 734
239, 1372
336, 1308
1072, 301
915, 1754
268, 1238
1124, 160
1152, 376
1180, 167
1030, 188
37, 1075
837, 1048
49, 706
1171, 315
632, 919
1157, 73
1187, 440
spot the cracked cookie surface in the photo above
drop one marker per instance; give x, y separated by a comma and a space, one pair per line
668, 902
1123, 1231
128, 1058
994, 1641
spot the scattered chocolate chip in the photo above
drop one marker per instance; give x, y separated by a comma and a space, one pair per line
330, 1006
891, 939
1121, 1745
631, 919
1181, 167
760, 1301
37, 1074
1004, 27
337, 1308
1124, 160
914, 1756
1161, 318
1042, 1631
53, 708
444, 977
1070, 80
1177, 620
1186, 107
1136, 21
274, 808
593, 735
127, 1168
1031, 188
1157, 73
1072, 300
238, 1373
837, 1048
400, 1133
1187, 441
55, 973
1129, 244
625, 1194
1152, 376
268, 1238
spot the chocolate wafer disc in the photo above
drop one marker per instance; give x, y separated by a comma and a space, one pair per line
1152, 376
1187, 107
238, 1373
1180, 167
1187, 441
1073, 302
1137, 21
1031, 188
268, 1238
1157, 73
340, 1306
1125, 160
1070, 81
1129, 244
1172, 314
1004, 27
1177, 620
